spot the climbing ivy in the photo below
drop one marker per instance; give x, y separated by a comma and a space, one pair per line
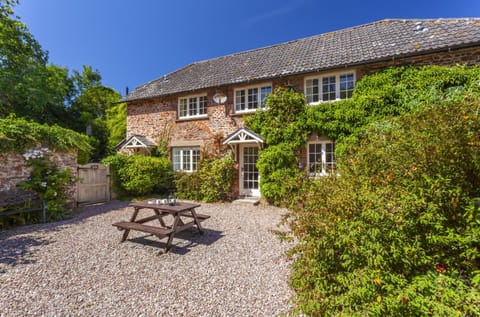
288, 121
18, 135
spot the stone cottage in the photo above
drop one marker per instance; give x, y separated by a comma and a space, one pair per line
200, 107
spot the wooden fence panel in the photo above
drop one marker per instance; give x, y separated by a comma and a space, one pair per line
94, 184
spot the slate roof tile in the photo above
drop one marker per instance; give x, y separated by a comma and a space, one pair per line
384, 39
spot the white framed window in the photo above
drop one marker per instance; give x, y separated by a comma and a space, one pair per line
251, 98
185, 159
329, 87
192, 106
321, 158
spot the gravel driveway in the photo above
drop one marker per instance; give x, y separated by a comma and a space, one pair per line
78, 267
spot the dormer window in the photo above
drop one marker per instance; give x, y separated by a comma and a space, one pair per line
192, 106
329, 87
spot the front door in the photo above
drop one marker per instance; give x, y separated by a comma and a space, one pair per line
249, 176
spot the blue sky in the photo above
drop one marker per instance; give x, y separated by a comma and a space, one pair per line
133, 42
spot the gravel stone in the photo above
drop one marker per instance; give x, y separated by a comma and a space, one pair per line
77, 267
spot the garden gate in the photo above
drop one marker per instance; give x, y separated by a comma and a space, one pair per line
94, 184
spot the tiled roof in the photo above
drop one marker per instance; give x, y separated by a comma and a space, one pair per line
371, 42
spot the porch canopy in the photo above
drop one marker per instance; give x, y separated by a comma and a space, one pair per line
243, 135
135, 142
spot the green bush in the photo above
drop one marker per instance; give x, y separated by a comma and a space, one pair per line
397, 233
140, 175
278, 165
52, 184
18, 135
388, 93
216, 177
187, 186
212, 182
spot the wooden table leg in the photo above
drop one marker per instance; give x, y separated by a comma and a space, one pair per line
174, 230
160, 218
132, 219
195, 218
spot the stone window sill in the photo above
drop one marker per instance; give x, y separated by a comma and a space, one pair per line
187, 119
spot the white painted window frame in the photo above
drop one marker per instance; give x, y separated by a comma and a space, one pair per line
178, 156
324, 171
187, 104
320, 78
259, 96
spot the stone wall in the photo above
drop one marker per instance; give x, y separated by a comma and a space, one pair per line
152, 118
13, 169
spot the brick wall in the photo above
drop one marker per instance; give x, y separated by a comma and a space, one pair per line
150, 117
14, 169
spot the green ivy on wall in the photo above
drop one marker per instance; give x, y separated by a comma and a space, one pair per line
287, 120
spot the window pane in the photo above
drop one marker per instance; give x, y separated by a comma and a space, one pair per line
328, 88
265, 91
346, 85
182, 107
186, 160
192, 106
312, 90
252, 98
176, 157
195, 159
240, 100
329, 157
202, 105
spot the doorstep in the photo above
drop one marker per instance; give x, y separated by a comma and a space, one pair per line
247, 200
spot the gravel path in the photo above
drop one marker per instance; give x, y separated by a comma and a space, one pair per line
78, 267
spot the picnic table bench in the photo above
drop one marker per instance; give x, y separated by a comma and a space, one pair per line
18, 202
162, 230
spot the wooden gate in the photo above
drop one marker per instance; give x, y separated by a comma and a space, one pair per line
94, 184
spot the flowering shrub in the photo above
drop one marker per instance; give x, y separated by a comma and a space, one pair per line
398, 233
49, 181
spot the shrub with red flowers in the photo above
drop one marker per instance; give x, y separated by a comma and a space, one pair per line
397, 233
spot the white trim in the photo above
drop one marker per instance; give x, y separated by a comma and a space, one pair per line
320, 76
181, 150
196, 116
259, 95
243, 135
134, 142
254, 192
323, 171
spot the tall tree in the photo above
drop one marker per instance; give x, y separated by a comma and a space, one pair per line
90, 105
28, 86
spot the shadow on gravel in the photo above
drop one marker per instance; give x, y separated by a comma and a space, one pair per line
183, 241
79, 215
16, 243
18, 251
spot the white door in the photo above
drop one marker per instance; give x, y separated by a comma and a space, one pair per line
249, 176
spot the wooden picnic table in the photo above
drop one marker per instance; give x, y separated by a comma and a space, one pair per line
161, 230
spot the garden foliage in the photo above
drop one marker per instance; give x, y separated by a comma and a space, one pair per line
212, 182
395, 231
397, 234
18, 135
139, 175
52, 184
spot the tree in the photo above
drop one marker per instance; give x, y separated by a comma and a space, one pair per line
116, 124
33, 89
90, 106
28, 87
